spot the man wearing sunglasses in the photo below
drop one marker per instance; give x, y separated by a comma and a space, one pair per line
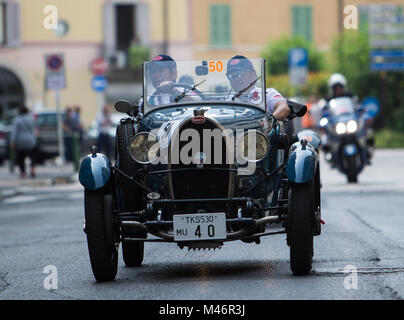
241, 72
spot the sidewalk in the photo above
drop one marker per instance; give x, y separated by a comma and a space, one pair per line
47, 175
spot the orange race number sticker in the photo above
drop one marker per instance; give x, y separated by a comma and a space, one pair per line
215, 66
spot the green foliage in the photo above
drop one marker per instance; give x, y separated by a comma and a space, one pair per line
351, 55
276, 54
388, 138
138, 55
316, 85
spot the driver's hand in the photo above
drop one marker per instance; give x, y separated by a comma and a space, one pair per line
165, 86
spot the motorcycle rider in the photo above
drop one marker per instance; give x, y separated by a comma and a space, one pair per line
241, 72
337, 85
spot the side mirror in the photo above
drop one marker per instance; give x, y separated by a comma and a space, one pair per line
123, 106
296, 109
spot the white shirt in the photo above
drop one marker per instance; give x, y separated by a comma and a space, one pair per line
255, 96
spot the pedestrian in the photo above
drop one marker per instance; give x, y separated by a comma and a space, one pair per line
68, 130
78, 126
104, 139
23, 139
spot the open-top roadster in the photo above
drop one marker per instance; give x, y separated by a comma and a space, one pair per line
200, 168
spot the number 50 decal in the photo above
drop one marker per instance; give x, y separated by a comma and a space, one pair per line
215, 66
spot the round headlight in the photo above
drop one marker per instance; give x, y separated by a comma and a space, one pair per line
340, 128
253, 146
144, 147
351, 126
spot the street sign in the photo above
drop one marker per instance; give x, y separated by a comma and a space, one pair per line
298, 66
372, 106
99, 83
55, 72
99, 66
386, 37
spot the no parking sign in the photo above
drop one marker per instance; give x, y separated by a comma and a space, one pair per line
55, 72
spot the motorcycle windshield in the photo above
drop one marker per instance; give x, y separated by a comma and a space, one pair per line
341, 106
176, 83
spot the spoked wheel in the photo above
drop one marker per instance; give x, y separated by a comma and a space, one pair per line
300, 227
102, 237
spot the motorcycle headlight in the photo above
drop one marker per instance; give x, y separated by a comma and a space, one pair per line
351, 126
253, 146
340, 128
144, 147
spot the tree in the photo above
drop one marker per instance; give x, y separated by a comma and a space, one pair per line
276, 54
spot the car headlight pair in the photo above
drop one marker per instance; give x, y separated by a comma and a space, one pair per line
144, 147
346, 127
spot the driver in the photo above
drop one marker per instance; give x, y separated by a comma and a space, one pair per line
241, 72
163, 75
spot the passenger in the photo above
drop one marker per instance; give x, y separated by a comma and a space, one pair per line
241, 72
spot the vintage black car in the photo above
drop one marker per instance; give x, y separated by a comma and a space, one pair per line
200, 164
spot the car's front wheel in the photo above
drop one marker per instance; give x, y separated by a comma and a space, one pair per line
300, 227
102, 238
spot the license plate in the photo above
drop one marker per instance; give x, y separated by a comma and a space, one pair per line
200, 226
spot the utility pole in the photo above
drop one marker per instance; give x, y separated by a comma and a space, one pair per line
341, 31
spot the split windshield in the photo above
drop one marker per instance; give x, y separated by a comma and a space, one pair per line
183, 82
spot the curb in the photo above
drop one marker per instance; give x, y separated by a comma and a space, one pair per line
19, 190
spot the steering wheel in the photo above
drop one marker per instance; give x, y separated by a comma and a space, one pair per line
181, 85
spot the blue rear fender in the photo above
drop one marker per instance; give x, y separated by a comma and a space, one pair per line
95, 171
302, 163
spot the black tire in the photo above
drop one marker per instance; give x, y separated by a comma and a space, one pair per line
100, 235
125, 133
300, 227
133, 253
352, 173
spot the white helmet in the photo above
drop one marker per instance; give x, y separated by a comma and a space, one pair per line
337, 78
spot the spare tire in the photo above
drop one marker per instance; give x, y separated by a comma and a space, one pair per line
131, 192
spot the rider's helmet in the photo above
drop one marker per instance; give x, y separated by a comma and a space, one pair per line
335, 80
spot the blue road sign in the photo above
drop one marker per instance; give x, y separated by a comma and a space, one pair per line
99, 83
372, 106
298, 57
387, 66
393, 53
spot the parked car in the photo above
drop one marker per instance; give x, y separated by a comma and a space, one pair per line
47, 134
172, 179
5, 135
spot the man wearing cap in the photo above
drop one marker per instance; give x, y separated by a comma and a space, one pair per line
241, 72
163, 74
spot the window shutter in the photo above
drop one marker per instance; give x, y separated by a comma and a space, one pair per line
302, 21
13, 24
220, 24
109, 27
142, 23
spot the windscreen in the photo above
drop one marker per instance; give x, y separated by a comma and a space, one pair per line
183, 82
340, 106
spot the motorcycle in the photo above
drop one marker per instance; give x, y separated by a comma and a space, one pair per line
346, 141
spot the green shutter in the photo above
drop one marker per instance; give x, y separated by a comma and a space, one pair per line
220, 25
302, 17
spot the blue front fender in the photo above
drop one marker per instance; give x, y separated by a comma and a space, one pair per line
302, 163
95, 170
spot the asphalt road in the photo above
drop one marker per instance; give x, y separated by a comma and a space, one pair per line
364, 228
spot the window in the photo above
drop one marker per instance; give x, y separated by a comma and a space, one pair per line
302, 22
220, 25
10, 24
